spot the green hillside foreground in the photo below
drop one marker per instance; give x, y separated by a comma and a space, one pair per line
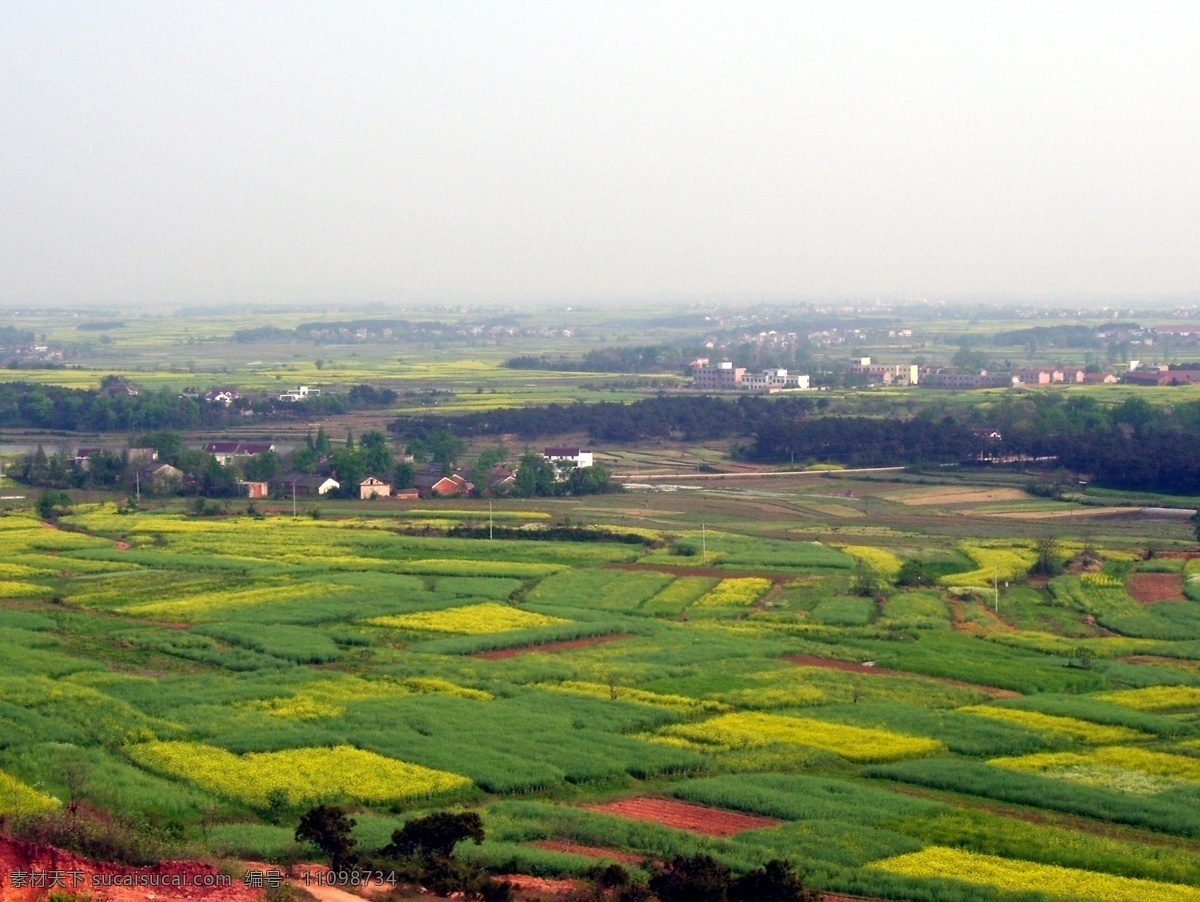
205, 681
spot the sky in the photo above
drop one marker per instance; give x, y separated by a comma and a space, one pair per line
438, 152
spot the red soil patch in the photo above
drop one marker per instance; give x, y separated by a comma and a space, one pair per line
44, 860
549, 647
685, 816
850, 667
122, 545
1147, 588
561, 845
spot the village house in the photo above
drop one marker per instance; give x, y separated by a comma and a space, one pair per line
227, 452
433, 485
254, 488
223, 396
374, 487
299, 394
568, 457
302, 484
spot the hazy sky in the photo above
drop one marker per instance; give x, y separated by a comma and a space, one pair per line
169, 152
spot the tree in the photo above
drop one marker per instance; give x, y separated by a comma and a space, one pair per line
1196, 522
375, 453
865, 581
328, 828
699, 878
348, 465
773, 882
535, 476
1048, 561
404, 475
434, 836
263, 466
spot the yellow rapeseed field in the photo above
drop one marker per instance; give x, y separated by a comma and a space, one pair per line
1028, 876
1159, 764
1156, 698
886, 564
1081, 730
747, 729
300, 776
735, 593
488, 617
18, 799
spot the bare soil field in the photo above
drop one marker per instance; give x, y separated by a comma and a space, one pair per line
548, 647
1147, 588
685, 816
945, 495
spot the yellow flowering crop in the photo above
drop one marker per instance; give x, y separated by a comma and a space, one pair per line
1028, 876
1007, 562
17, 798
488, 617
328, 698
1101, 581
1156, 698
14, 589
747, 729
658, 699
886, 564
735, 593
207, 605
1118, 767
301, 776
1081, 730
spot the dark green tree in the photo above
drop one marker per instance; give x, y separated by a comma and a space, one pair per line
773, 882
696, 878
404, 475
375, 453
535, 476
263, 466
328, 828
434, 836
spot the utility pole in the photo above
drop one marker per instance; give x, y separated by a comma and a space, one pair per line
137, 482
293, 499
996, 585
703, 542
489, 519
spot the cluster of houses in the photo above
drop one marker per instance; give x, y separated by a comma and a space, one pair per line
428, 483
724, 376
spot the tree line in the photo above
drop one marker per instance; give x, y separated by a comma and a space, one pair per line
27, 406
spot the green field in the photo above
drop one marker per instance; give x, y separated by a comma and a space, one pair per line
205, 680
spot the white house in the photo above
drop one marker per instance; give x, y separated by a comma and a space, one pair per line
568, 457
299, 394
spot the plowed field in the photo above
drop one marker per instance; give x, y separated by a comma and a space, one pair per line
1147, 588
685, 816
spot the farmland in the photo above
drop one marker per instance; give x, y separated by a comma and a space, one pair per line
986, 735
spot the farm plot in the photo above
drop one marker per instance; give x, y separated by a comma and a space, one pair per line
742, 730
1011, 875
685, 816
297, 776
469, 619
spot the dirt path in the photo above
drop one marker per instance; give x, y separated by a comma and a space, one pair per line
1148, 588
850, 667
562, 845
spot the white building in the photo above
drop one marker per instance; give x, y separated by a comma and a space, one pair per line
299, 394
568, 457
